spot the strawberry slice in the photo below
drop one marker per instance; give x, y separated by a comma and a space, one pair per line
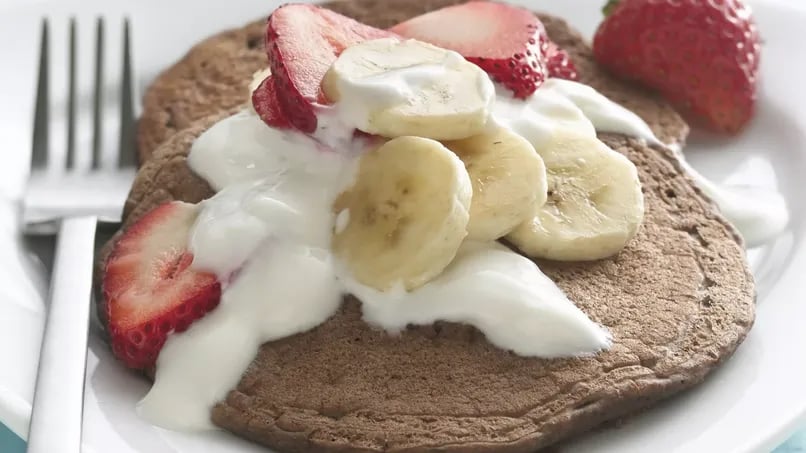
267, 104
559, 64
149, 288
508, 42
302, 41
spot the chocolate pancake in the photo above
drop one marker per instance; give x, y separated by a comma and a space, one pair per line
678, 300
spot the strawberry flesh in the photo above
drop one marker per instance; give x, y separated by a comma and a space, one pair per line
302, 42
267, 104
508, 42
150, 289
559, 64
701, 55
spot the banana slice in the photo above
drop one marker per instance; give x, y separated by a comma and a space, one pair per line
406, 215
509, 181
397, 88
594, 206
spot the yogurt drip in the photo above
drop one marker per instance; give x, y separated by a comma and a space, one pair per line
500, 292
562, 103
758, 213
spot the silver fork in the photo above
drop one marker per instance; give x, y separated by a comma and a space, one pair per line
67, 193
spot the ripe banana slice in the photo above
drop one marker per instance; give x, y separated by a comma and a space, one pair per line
594, 206
406, 215
398, 88
509, 181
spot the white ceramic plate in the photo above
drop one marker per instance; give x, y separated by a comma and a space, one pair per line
750, 405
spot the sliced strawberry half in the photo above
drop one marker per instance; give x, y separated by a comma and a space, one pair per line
559, 64
149, 288
267, 104
508, 42
302, 41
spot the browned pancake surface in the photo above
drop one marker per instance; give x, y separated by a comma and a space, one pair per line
678, 300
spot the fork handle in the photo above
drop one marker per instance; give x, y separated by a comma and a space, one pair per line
59, 397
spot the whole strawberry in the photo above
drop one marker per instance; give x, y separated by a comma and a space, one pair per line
702, 55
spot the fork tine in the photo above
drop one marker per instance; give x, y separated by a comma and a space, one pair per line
98, 102
126, 149
39, 148
71, 97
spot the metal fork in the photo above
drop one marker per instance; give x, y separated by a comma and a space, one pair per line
71, 187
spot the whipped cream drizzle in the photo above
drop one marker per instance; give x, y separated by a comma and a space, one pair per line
271, 222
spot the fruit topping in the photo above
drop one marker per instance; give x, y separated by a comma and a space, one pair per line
267, 105
149, 288
702, 55
594, 205
508, 42
396, 88
302, 41
508, 178
405, 217
559, 64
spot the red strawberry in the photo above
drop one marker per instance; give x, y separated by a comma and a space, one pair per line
559, 64
508, 42
702, 55
267, 105
150, 289
302, 42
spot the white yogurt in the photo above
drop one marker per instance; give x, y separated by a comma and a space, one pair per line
502, 293
285, 288
760, 214
236, 150
604, 114
271, 183
562, 103
221, 220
